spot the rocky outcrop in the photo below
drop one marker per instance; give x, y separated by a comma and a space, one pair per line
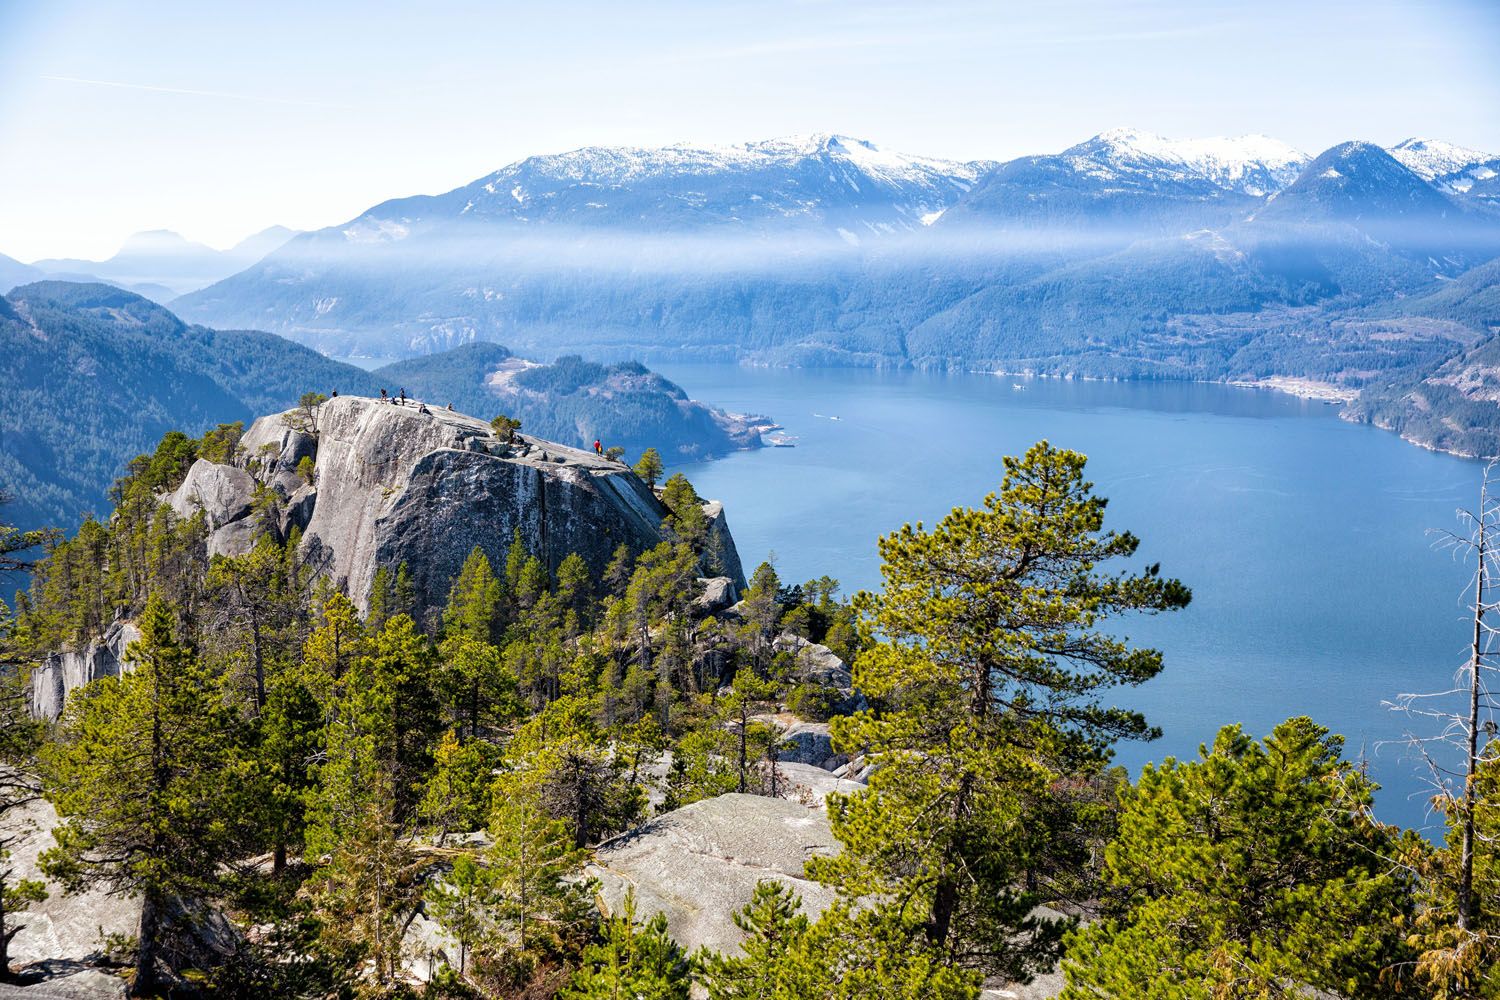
814, 664
64, 938
224, 494
64, 671
719, 593
699, 864
402, 484
60, 928
722, 557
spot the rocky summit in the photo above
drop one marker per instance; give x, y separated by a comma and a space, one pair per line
400, 483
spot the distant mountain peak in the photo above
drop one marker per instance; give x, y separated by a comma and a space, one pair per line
1256, 165
1449, 166
155, 241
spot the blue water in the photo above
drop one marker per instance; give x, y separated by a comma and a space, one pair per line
1306, 539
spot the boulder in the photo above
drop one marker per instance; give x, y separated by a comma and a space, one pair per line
814, 664
810, 743
699, 864
64, 981
719, 593
810, 784
66, 932
61, 928
63, 672
224, 494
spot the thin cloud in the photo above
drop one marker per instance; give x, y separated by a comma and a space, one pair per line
252, 98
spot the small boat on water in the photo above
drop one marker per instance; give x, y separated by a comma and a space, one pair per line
779, 440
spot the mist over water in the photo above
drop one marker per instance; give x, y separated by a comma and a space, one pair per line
1305, 539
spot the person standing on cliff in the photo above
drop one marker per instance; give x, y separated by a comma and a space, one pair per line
598, 447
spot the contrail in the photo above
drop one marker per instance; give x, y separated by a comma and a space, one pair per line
193, 93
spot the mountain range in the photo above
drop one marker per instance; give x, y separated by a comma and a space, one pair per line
1126, 255
158, 264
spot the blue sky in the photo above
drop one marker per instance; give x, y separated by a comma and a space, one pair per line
218, 119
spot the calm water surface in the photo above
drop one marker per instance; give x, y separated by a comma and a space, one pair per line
1305, 539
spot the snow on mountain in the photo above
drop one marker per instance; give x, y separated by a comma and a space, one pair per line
1254, 165
1451, 167
824, 179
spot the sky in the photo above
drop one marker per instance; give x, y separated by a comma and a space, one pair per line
217, 120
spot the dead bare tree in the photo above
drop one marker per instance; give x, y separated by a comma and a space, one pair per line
1464, 715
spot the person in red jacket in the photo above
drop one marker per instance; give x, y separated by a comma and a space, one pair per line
598, 448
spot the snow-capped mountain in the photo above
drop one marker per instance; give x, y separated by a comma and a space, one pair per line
1254, 165
1470, 175
1131, 183
1359, 181
1444, 162
828, 182
791, 246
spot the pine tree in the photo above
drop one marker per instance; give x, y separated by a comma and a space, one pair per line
1240, 874
867, 952
649, 468
632, 962
761, 613
457, 796
473, 609
686, 519
534, 871
988, 660
561, 757
774, 930
290, 740
461, 901
751, 738
20, 741
146, 773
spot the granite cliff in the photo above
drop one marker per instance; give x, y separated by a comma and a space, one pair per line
405, 484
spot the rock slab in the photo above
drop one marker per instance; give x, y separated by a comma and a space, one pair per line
699, 864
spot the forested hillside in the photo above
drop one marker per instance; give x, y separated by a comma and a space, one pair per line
96, 375
350, 805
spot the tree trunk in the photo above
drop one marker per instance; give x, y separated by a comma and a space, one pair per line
145, 984
1471, 762
474, 709
278, 859
944, 903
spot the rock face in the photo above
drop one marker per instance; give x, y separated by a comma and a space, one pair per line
810, 743
61, 672
396, 484
224, 493
61, 927
699, 864
62, 936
